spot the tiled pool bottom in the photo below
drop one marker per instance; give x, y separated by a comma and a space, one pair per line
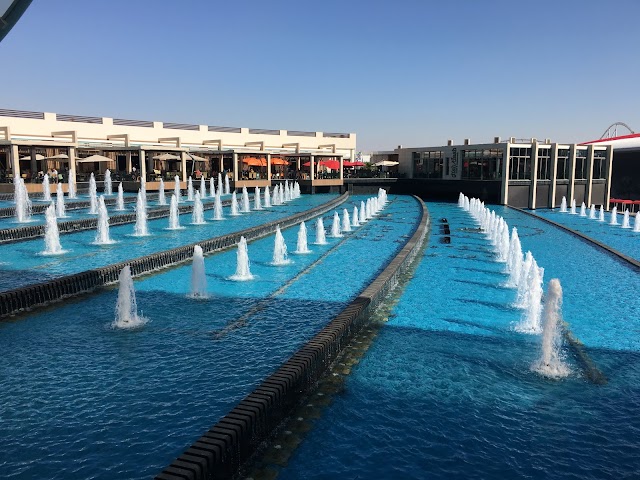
446, 390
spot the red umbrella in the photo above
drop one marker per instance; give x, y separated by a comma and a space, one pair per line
332, 164
347, 163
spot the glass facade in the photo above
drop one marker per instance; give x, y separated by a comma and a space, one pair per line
544, 163
482, 164
599, 159
520, 163
428, 164
581, 165
563, 164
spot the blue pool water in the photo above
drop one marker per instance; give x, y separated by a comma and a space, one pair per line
22, 263
625, 240
446, 390
79, 399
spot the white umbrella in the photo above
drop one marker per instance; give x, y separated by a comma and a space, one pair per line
95, 158
61, 156
386, 163
197, 158
166, 156
38, 157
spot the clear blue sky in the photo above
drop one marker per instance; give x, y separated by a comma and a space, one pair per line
399, 72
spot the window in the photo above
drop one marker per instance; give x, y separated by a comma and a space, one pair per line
544, 164
563, 164
520, 163
428, 164
599, 159
581, 165
482, 164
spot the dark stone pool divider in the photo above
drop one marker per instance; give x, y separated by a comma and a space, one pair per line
9, 235
41, 294
621, 256
224, 448
8, 212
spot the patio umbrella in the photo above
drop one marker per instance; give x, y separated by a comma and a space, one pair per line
347, 163
254, 162
332, 164
38, 157
196, 158
61, 156
94, 158
386, 163
279, 161
166, 156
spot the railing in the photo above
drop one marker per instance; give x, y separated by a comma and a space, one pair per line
181, 126
21, 114
224, 129
299, 133
261, 131
132, 123
78, 118
336, 135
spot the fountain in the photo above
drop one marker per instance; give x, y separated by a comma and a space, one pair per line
279, 249
203, 187
242, 259
217, 207
636, 223
212, 188
363, 214
592, 212
60, 210
257, 202
127, 308
72, 185
140, 229
267, 197
93, 196
246, 208
51, 234
143, 192
197, 217
563, 205
108, 187
162, 200
354, 218
274, 197
190, 190
522, 283
614, 216
302, 240
120, 199
227, 189
583, 210
601, 216
335, 226
234, 204
102, 235
296, 190
625, 220
368, 209
320, 233
551, 363
515, 260
220, 189
176, 188
573, 207
346, 223
174, 216
533, 290
46, 188
198, 274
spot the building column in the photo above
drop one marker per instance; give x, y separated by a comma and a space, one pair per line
506, 166
183, 164
554, 175
15, 161
589, 187
127, 165
143, 165
269, 168
72, 167
33, 165
533, 189
341, 167
312, 167
235, 169
608, 169
572, 173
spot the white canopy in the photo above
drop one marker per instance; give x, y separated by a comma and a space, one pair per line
386, 163
94, 158
61, 156
197, 158
28, 157
166, 156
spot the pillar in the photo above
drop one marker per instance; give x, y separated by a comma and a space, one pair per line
15, 161
506, 163
33, 164
572, 172
143, 165
235, 168
533, 189
554, 175
589, 186
183, 165
72, 166
608, 169
341, 167
269, 167
312, 167
127, 165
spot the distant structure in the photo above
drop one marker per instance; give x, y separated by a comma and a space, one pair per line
10, 14
612, 130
